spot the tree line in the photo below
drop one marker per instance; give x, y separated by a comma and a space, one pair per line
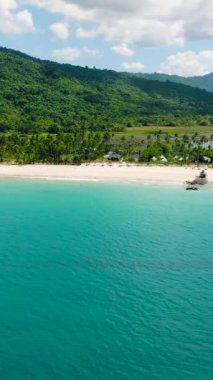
86, 146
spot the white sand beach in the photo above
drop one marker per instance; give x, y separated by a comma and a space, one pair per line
105, 172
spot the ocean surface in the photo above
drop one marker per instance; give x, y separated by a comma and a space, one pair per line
103, 281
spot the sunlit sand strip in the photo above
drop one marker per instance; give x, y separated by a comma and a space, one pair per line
104, 172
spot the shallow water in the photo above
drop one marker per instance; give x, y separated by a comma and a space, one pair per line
105, 281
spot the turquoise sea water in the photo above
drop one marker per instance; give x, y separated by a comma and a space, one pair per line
105, 281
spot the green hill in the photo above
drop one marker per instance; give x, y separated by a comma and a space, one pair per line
204, 82
43, 96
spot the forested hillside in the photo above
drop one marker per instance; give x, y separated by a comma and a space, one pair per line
204, 82
41, 96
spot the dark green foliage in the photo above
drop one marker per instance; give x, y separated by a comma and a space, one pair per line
83, 145
204, 82
46, 97
68, 114
60, 148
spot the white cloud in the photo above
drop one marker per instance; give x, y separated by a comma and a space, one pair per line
13, 21
60, 30
91, 52
86, 33
7, 6
133, 66
67, 54
71, 53
69, 9
142, 22
123, 50
188, 63
144, 32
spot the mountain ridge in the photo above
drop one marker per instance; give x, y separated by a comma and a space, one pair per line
44, 96
204, 82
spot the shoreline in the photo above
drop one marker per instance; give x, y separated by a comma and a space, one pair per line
105, 172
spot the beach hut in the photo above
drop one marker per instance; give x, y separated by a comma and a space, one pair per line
113, 156
206, 159
163, 159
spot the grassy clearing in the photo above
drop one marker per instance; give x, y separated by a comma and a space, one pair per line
141, 131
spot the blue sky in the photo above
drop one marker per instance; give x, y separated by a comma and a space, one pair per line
171, 36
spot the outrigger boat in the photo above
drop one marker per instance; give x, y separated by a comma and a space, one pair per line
192, 188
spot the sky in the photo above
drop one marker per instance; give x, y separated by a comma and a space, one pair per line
169, 36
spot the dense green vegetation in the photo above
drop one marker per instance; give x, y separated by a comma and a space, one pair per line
41, 96
205, 82
68, 114
59, 148
83, 146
